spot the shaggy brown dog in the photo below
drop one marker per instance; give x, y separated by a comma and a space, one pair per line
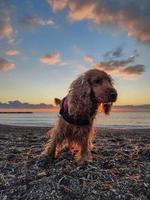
77, 111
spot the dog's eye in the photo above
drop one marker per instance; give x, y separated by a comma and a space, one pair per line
98, 81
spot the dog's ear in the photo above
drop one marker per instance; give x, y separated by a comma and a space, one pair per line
57, 101
79, 101
106, 108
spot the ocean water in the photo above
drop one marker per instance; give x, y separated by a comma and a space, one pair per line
121, 120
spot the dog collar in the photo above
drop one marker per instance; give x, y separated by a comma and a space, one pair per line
80, 121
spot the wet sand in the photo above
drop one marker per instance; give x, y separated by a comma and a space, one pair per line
120, 167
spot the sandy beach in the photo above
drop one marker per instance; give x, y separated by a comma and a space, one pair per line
120, 167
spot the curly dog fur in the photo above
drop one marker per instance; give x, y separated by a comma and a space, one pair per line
87, 93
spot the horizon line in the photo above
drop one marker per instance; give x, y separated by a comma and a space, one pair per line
18, 104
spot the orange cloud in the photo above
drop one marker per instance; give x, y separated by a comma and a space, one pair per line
11, 52
51, 59
78, 13
57, 5
6, 29
6, 65
89, 59
131, 16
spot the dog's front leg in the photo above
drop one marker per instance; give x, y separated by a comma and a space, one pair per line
85, 153
50, 147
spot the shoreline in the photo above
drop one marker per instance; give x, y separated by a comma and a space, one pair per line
115, 127
13, 110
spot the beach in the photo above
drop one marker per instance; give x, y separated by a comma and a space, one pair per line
120, 167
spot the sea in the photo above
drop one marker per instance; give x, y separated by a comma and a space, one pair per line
117, 120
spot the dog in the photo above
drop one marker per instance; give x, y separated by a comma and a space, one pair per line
91, 90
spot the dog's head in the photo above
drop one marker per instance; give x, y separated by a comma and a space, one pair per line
95, 82
102, 86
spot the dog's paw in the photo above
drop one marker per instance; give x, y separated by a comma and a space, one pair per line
84, 160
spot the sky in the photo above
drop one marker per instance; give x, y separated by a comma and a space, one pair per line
46, 44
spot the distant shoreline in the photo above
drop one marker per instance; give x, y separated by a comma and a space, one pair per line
16, 112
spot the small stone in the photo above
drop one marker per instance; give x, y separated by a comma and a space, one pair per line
11, 157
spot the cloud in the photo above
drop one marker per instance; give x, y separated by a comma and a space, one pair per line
133, 70
51, 59
81, 10
35, 21
132, 16
118, 63
114, 63
89, 59
57, 5
6, 29
127, 72
114, 59
6, 65
11, 52
116, 53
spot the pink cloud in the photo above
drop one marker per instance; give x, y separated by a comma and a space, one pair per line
11, 52
6, 65
6, 29
51, 59
89, 59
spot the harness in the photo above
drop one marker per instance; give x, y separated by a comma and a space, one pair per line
80, 121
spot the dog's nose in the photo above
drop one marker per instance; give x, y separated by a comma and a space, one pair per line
113, 95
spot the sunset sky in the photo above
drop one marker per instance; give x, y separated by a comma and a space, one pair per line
46, 44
